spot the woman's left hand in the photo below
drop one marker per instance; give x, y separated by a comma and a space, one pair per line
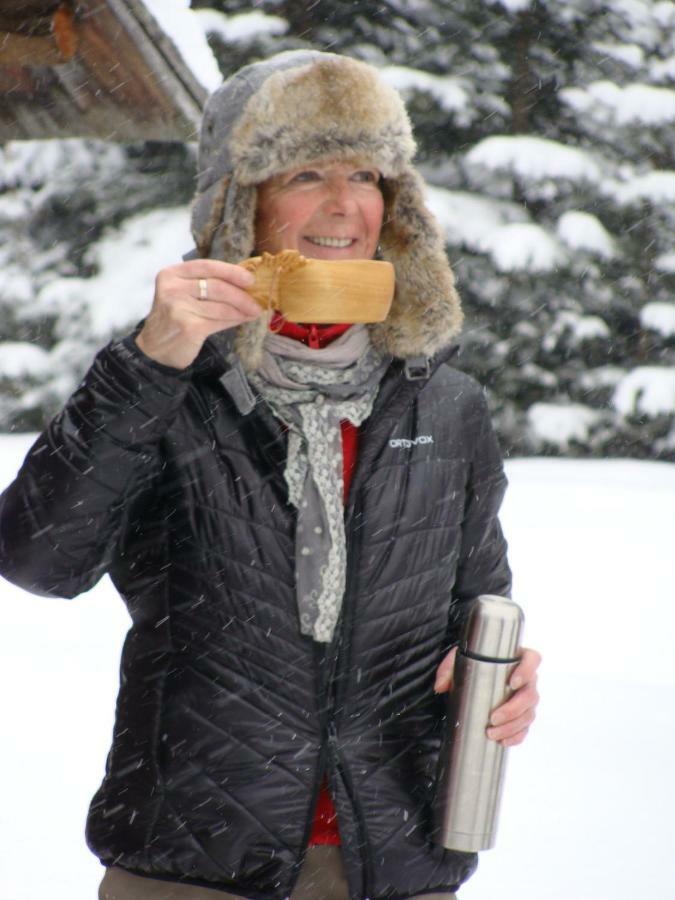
510, 722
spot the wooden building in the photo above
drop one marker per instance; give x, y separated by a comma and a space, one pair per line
92, 68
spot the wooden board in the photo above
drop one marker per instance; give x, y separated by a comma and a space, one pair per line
93, 68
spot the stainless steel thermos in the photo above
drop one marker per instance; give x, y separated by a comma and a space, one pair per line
471, 767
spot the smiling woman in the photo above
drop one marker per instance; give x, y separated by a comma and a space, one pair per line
297, 515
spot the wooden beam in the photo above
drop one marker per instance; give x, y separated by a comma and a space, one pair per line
107, 72
18, 50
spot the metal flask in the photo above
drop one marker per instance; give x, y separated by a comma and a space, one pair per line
471, 767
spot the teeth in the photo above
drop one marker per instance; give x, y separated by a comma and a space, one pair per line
330, 241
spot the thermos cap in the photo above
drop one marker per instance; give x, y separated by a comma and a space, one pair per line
493, 628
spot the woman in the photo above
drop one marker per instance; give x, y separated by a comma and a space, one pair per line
281, 680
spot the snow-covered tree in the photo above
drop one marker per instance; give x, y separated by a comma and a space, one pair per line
546, 132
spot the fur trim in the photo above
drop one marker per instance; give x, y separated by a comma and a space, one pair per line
426, 311
305, 106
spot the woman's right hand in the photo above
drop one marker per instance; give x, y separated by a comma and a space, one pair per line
179, 321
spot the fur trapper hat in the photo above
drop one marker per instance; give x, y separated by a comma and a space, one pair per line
303, 107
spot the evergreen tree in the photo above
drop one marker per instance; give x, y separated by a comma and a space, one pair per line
546, 133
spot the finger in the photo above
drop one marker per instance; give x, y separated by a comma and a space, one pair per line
444, 672
515, 727
223, 292
216, 268
524, 699
516, 739
233, 311
526, 670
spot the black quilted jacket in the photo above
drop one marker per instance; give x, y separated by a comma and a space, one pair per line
227, 717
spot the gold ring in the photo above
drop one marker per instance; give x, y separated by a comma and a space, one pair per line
203, 289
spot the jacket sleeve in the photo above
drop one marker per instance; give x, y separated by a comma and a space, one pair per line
62, 516
483, 566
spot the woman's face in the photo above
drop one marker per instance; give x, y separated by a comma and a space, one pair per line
324, 211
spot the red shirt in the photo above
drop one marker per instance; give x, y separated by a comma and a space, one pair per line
325, 826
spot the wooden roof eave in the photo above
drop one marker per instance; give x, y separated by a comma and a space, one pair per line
95, 68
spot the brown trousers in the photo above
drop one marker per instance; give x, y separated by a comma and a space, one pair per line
322, 877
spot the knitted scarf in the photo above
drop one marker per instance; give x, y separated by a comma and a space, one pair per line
311, 391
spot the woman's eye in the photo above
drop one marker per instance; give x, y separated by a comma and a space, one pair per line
306, 177
367, 176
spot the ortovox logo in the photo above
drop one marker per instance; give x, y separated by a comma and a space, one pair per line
405, 442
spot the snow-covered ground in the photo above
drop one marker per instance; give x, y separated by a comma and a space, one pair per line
588, 807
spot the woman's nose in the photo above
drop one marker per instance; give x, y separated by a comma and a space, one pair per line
339, 196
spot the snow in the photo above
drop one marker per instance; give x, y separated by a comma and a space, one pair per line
659, 317
587, 810
601, 377
663, 69
501, 229
647, 389
19, 358
559, 424
658, 187
522, 246
665, 262
182, 26
534, 158
447, 89
36, 163
579, 328
240, 27
630, 54
15, 283
588, 328
128, 260
515, 6
583, 231
468, 219
641, 104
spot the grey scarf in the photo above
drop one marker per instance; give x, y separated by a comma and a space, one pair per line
311, 391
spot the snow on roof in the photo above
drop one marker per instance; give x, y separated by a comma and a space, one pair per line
241, 26
183, 27
534, 158
447, 89
648, 389
583, 231
659, 317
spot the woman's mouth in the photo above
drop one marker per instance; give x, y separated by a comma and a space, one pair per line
339, 243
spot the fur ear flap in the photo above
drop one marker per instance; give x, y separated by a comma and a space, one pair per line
426, 311
249, 340
207, 208
234, 236
228, 211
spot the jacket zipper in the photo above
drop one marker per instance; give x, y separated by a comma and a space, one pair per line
330, 695
335, 690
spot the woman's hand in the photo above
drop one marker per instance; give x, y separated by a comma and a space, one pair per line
180, 319
509, 723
